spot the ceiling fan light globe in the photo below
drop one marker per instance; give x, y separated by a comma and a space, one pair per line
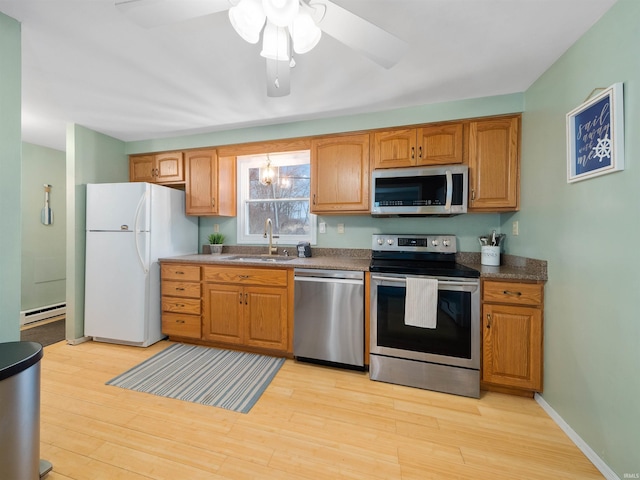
275, 43
281, 12
247, 19
304, 33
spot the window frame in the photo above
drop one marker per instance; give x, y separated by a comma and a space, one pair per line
246, 162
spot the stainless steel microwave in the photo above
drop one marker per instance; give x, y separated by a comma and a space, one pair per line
440, 190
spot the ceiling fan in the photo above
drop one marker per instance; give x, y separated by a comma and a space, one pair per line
282, 23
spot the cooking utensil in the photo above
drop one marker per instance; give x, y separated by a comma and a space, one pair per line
46, 215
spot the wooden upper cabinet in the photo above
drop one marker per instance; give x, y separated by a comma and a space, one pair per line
340, 174
494, 164
439, 144
210, 183
162, 168
394, 148
142, 168
169, 167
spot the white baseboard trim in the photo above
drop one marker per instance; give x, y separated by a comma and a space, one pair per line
575, 438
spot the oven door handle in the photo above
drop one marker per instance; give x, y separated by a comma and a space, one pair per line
451, 283
447, 205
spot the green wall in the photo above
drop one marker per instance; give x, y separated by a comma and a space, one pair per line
589, 232
10, 145
91, 158
43, 246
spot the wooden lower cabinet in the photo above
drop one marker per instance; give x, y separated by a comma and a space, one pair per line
248, 307
244, 308
181, 303
512, 336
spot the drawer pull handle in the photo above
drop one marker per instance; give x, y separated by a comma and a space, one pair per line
179, 273
244, 277
420, 152
488, 320
180, 305
509, 292
240, 297
246, 299
180, 289
413, 152
180, 321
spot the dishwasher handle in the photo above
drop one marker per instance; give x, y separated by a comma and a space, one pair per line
347, 281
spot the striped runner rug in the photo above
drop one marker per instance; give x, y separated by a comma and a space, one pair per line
210, 376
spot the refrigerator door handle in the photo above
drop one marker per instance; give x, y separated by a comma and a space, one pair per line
136, 230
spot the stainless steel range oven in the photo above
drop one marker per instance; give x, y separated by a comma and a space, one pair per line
442, 354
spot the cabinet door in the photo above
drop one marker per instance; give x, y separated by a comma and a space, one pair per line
394, 148
494, 164
440, 144
142, 168
201, 185
265, 317
169, 167
340, 174
512, 346
222, 317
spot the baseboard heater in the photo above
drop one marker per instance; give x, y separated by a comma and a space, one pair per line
42, 313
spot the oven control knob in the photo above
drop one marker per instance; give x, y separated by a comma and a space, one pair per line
446, 243
434, 243
390, 241
380, 241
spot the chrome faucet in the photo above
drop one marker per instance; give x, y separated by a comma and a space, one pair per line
268, 227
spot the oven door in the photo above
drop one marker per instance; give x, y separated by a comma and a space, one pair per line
455, 340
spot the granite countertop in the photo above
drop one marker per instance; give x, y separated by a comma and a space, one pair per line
511, 268
323, 258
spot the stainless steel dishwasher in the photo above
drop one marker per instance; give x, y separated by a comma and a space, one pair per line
329, 317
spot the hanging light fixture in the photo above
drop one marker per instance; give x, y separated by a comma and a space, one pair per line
267, 174
284, 19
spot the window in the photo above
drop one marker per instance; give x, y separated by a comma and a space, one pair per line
282, 196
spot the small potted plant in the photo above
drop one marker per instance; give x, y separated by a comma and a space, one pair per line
216, 241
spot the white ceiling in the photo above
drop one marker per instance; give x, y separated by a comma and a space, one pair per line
84, 62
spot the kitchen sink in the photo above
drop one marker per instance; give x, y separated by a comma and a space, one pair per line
261, 258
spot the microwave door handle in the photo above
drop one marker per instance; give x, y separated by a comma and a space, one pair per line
449, 176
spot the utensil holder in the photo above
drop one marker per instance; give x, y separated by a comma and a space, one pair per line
490, 255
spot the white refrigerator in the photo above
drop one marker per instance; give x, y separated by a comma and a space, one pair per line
129, 226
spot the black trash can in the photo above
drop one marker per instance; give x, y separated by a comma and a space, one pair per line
20, 411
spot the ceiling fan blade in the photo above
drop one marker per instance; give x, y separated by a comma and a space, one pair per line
359, 34
278, 78
154, 13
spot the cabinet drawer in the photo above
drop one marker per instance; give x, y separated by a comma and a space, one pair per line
181, 325
181, 289
246, 276
515, 293
181, 305
171, 271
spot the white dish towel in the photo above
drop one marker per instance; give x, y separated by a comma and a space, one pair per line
421, 302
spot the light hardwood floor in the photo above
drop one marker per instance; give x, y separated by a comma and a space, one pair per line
311, 423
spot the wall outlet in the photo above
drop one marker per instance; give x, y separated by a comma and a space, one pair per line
515, 229
341, 228
322, 227
216, 228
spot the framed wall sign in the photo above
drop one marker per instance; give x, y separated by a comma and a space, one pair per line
595, 136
